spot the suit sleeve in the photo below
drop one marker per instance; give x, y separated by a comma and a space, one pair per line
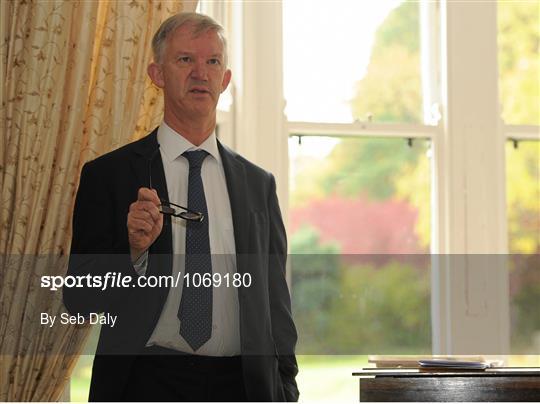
283, 328
95, 247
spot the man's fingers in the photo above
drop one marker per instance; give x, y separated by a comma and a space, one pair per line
137, 225
144, 194
147, 199
144, 221
147, 194
150, 215
146, 206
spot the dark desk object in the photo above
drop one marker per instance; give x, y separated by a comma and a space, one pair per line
494, 384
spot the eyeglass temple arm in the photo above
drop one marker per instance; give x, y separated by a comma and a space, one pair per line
165, 202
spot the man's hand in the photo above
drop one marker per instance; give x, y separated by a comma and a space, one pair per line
144, 222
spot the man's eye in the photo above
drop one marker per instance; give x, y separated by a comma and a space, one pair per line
184, 59
214, 62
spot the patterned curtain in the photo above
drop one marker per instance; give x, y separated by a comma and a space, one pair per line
74, 86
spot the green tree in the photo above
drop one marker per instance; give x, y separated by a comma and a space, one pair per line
523, 197
350, 173
338, 305
519, 65
383, 309
391, 89
315, 285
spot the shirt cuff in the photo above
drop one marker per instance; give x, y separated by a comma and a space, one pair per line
141, 264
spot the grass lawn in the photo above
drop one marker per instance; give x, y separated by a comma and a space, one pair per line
325, 378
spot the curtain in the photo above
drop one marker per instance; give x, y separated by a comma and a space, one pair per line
74, 86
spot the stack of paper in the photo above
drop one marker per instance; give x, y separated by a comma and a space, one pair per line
395, 361
428, 361
453, 364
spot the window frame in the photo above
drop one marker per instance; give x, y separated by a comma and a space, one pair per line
467, 302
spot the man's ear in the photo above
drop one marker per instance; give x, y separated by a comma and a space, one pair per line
226, 80
156, 74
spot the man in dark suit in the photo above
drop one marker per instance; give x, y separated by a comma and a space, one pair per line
229, 339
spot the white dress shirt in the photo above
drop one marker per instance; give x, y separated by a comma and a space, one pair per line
225, 338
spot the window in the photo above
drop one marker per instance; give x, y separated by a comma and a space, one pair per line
359, 236
360, 171
523, 210
519, 87
519, 61
419, 64
340, 61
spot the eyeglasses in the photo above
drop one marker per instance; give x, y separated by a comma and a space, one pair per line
169, 208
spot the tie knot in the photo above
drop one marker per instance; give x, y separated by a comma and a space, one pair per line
195, 158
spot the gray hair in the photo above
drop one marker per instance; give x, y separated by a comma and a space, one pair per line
201, 24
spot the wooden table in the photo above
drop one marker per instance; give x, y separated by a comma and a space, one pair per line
411, 384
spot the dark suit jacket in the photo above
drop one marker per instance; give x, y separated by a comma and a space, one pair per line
107, 187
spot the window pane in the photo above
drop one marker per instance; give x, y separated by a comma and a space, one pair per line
519, 63
523, 207
352, 60
359, 227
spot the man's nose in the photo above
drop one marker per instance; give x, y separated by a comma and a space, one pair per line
199, 71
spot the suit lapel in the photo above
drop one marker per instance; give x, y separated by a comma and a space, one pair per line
146, 152
235, 176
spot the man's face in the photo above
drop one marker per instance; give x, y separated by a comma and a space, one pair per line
192, 72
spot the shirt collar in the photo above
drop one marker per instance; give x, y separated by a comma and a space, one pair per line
172, 144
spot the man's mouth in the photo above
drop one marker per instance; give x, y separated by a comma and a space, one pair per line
199, 91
